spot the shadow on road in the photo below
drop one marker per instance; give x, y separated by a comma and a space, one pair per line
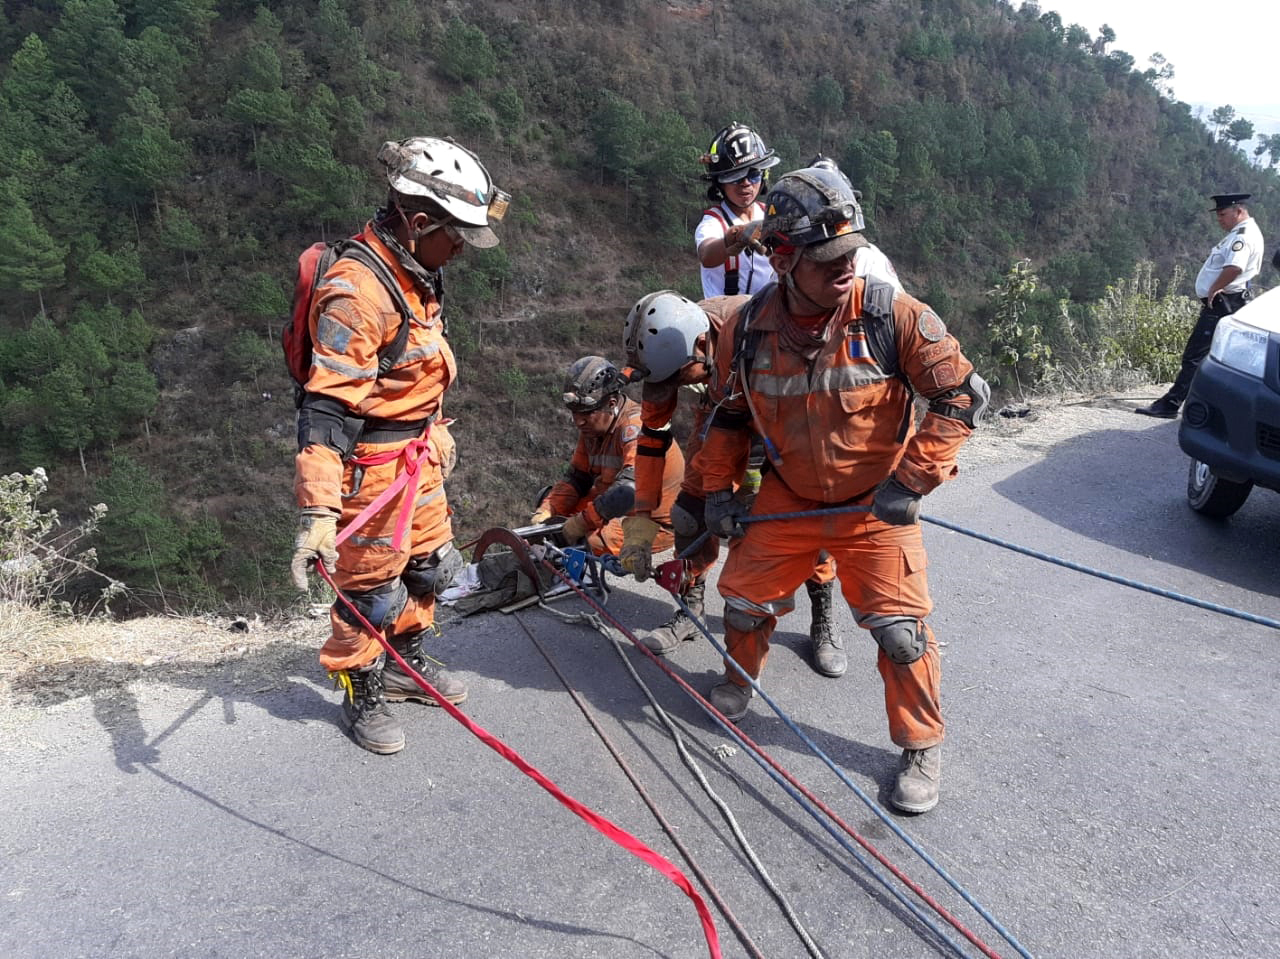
1128, 490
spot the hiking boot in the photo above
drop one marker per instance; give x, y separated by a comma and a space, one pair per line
1163, 408
828, 649
402, 688
919, 770
366, 711
679, 628
731, 699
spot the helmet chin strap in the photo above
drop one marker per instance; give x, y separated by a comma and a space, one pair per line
789, 282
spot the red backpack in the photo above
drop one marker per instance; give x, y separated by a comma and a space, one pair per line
313, 263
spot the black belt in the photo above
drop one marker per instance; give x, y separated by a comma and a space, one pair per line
394, 431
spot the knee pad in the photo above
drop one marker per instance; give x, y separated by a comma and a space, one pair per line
688, 517
431, 575
903, 640
742, 620
381, 606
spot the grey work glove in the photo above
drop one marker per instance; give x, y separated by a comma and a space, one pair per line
316, 539
723, 512
895, 504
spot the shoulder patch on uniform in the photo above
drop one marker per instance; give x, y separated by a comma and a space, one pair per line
1237, 246
630, 432
931, 326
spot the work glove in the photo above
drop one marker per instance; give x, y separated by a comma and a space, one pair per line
316, 539
723, 511
638, 533
895, 504
750, 486
574, 529
540, 516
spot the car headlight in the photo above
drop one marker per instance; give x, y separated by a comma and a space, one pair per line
1240, 347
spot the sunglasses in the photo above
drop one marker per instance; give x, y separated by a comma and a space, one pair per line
752, 176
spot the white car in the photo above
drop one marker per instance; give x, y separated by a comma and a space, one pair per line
1231, 419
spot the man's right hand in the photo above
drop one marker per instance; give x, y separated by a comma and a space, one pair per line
316, 540
723, 512
540, 516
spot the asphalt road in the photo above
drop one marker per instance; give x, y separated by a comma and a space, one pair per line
1109, 790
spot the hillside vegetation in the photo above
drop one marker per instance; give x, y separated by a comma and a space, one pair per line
162, 163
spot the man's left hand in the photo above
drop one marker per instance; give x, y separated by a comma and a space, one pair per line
896, 504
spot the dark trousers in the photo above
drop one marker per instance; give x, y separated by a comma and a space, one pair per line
1201, 339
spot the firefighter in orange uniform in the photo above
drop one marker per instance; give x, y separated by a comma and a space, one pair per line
825, 366
669, 340
361, 427
599, 485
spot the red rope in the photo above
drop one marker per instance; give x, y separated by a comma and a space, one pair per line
782, 771
602, 825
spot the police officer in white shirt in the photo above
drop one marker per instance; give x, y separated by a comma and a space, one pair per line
1223, 287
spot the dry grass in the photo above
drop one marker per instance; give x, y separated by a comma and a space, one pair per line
51, 659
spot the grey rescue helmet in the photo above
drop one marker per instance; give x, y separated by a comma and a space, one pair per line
817, 209
589, 382
660, 334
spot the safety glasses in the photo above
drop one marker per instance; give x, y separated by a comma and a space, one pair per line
449, 230
750, 175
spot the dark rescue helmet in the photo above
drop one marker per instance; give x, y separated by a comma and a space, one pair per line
589, 382
815, 208
733, 154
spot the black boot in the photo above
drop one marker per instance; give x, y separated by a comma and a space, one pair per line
679, 628
366, 711
828, 649
400, 685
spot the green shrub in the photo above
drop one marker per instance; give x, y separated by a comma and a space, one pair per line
1143, 328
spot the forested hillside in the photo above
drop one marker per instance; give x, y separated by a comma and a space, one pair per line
162, 163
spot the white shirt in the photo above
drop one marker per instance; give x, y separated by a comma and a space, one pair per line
1242, 247
871, 261
754, 271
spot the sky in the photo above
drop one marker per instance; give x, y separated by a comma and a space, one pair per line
1195, 40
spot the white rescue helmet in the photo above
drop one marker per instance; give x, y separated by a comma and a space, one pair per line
450, 177
661, 332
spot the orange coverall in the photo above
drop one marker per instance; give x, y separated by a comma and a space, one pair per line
833, 431
352, 317
599, 461
658, 405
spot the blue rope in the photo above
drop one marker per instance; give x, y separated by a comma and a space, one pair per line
825, 823
610, 564
840, 774
1109, 577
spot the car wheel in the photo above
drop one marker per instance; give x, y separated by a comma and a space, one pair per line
1212, 495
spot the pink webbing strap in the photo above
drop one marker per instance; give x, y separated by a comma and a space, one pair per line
601, 824
415, 453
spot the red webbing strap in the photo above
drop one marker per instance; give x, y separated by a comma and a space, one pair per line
731, 262
414, 453
602, 825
